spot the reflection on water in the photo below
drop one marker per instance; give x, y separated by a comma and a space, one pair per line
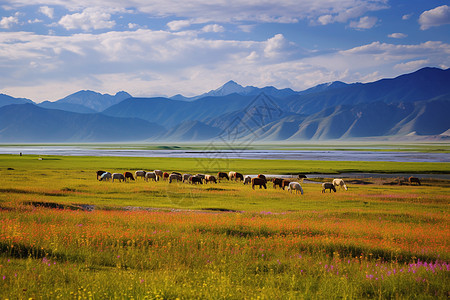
237, 154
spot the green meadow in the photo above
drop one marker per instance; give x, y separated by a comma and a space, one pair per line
65, 235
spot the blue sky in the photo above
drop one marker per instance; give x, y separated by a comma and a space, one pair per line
50, 49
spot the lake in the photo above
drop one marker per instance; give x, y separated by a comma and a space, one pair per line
328, 155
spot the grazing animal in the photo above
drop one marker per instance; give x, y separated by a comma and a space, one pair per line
239, 176
232, 175
262, 176
151, 175
221, 175
100, 173
285, 184
105, 176
301, 177
195, 179
128, 175
295, 186
328, 186
140, 173
210, 178
176, 177
202, 176
118, 176
339, 183
247, 179
414, 180
277, 181
176, 173
259, 181
159, 173
165, 176
186, 177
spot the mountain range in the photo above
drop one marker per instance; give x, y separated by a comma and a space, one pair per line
412, 106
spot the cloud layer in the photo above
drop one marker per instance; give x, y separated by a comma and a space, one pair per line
50, 49
435, 17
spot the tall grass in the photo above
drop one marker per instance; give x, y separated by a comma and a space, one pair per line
167, 241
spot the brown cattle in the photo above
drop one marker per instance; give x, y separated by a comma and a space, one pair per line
259, 181
285, 183
414, 180
128, 175
222, 175
195, 179
165, 175
247, 179
210, 178
176, 177
262, 176
277, 182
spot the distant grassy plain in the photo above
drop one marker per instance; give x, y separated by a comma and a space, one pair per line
429, 147
167, 241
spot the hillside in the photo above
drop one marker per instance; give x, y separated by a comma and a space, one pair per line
30, 123
7, 100
95, 101
413, 105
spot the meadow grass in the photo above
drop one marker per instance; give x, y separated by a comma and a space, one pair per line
225, 241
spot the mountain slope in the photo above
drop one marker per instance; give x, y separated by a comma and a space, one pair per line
78, 108
189, 131
95, 101
423, 84
376, 119
231, 87
169, 112
30, 123
8, 100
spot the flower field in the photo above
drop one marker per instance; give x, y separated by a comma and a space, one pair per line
72, 237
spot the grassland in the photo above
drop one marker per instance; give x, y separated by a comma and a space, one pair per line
63, 234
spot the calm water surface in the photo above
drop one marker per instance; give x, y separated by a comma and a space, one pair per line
234, 154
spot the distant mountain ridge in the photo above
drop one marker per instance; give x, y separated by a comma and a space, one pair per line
231, 87
30, 123
7, 100
93, 100
413, 105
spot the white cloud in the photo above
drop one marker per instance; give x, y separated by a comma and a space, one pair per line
8, 22
325, 19
364, 23
435, 17
406, 17
90, 18
275, 46
146, 62
213, 28
412, 65
397, 35
286, 11
178, 24
48, 11
34, 21
351, 11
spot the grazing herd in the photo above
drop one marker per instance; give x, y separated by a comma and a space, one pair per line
260, 180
